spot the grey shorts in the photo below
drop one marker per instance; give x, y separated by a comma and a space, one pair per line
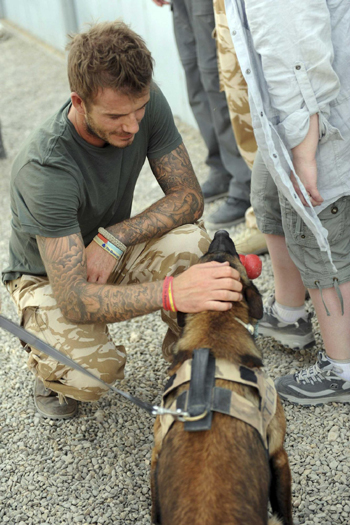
276, 216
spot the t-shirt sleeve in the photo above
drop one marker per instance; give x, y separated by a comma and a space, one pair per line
164, 135
46, 200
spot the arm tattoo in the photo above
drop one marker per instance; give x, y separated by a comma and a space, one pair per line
182, 204
83, 302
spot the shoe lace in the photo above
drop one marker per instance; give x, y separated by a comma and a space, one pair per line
312, 375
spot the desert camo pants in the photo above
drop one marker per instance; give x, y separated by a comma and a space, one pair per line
91, 344
234, 85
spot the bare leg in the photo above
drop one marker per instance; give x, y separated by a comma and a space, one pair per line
290, 291
289, 288
335, 329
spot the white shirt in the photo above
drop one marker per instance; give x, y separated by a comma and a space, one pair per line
295, 57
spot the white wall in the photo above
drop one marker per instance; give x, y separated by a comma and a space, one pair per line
51, 20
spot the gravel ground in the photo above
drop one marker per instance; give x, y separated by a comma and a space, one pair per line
95, 468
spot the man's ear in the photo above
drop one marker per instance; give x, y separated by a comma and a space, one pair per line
78, 103
254, 300
181, 319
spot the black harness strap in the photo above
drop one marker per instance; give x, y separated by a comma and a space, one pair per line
200, 392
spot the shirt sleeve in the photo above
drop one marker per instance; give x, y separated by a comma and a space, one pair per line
293, 39
164, 135
46, 201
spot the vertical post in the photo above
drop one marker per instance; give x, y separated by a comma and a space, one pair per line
2, 9
69, 15
2, 148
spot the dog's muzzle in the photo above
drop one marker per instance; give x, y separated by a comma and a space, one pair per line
222, 243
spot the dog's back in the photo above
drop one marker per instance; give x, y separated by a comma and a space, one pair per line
219, 476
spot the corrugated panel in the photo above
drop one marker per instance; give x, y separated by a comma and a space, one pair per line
51, 20
36, 17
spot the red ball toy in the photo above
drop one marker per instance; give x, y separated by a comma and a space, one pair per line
252, 265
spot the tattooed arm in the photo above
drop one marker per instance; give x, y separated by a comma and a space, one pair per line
83, 302
209, 286
182, 204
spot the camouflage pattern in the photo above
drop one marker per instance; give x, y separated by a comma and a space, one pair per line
91, 344
240, 407
234, 85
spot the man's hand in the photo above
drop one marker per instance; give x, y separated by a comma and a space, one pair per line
305, 166
161, 2
208, 286
100, 263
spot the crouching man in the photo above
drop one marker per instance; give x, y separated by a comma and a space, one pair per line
77, 259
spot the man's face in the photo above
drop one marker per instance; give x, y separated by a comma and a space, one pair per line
114, 117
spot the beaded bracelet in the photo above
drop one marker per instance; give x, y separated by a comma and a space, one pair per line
168, 295
116, 242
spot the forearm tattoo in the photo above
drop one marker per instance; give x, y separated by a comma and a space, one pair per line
84, 302
182, 204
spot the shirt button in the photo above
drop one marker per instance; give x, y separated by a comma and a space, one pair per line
234, 33
248, 71
261, 114
298, 67
302, 236
334, 210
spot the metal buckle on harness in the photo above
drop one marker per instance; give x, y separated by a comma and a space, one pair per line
178, 414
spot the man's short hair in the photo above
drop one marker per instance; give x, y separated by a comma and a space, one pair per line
108, 55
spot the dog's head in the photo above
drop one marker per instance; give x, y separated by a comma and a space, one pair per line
222, 249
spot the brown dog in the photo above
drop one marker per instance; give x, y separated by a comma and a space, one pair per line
224, 475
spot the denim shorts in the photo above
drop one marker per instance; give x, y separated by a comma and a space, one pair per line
276, 216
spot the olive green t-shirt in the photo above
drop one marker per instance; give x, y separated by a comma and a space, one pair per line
61, 184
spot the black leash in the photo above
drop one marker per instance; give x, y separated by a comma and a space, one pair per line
47, 349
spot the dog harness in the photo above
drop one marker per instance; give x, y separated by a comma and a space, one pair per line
203, 397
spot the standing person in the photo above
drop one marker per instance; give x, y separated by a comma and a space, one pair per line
229, 175
232, 82
295, 58
77, 259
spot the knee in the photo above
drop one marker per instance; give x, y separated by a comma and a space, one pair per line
188, 243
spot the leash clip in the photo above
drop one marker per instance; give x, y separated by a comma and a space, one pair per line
178, 413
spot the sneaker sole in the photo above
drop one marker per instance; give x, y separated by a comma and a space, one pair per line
215, 197
291, 341
313, 402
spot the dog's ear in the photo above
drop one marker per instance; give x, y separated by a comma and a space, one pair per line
181, 319
254, 300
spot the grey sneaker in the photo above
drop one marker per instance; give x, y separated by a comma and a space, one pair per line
48, 404
216, 186
230, 213
293, 335
315, 385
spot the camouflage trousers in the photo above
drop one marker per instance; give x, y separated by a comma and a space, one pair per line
91, 344
234, 85
236, 89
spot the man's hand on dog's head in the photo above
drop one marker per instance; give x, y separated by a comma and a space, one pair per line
207, 286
